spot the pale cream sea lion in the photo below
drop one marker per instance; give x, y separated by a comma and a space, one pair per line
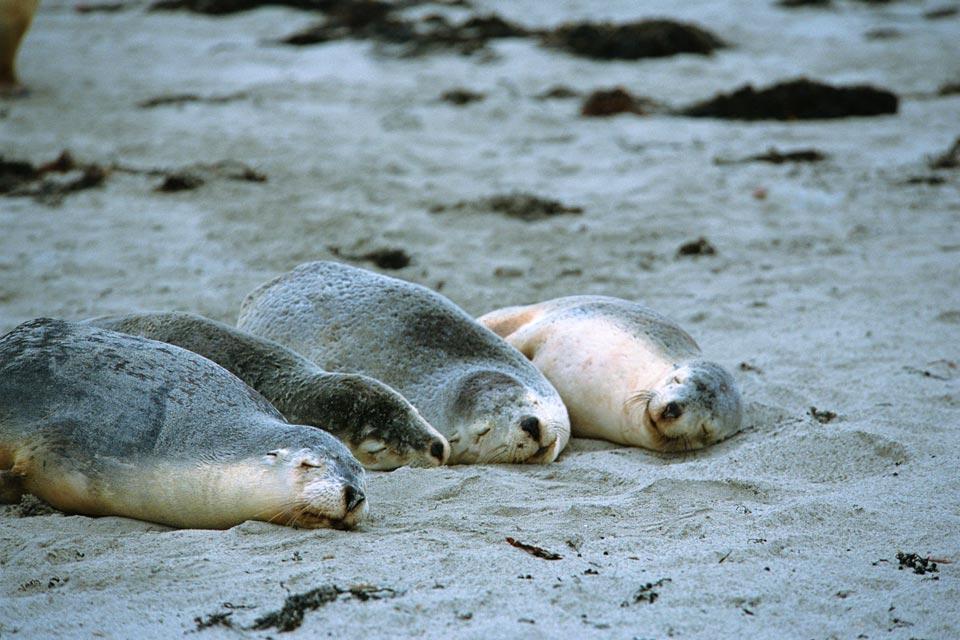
15, 19
626, 373
105, 424
484, 396
382, 429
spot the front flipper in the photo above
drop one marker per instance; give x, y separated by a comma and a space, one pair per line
508, 320
11, 487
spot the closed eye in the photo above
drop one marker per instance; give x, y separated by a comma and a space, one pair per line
309, 465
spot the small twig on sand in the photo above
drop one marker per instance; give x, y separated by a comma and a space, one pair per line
534, 551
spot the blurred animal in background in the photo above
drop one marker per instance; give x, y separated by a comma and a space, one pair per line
15, 19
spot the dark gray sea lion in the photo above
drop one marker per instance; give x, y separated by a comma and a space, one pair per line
382, 429
626, 373
101, 423
490, 402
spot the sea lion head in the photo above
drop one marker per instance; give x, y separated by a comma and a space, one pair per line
499, 419
696, 404
383, 430
400, 439
321, 490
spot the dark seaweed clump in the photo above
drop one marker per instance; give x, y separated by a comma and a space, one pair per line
558, 92
14, 173
699, 247
196, 175
431, 33
180, 181
773, 156
800, 99
632, 41
220, 619
225, 7
461, 97
523, 206
379, 22
610, 102
178, 99
823, 416
646, 593
793, 4
51, 182
385, 258
919, 565
291, 615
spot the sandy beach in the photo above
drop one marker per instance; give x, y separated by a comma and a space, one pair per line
831, 293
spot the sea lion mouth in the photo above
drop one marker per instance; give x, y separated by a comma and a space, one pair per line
668, 443
306, 518
542, 453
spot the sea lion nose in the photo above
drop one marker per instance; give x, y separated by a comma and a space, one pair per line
531, 424
353, 497
672, 410
438, 451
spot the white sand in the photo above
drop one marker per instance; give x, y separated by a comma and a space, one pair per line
841, 287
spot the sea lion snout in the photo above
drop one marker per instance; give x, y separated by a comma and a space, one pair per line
672, 411
353, 497
531, 424
440, 450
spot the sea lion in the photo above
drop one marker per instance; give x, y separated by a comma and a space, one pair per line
626, 373
15, 19
101, 423
382, 429
486, 398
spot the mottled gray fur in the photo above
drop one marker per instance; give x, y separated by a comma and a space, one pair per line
451, 368
352, 407
93, 399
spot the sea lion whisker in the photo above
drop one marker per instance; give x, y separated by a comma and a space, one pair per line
639, 400
499, 454
281, 511
643, 395
272, 518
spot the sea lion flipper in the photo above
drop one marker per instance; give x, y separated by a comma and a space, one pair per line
11, 487
509, 320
